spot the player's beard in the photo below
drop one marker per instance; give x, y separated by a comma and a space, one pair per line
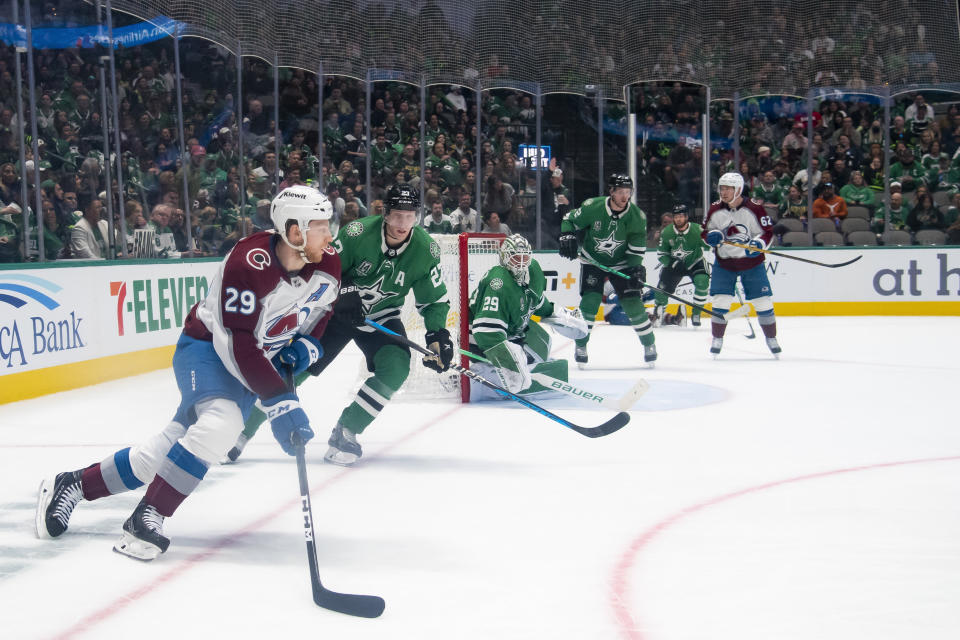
313, 254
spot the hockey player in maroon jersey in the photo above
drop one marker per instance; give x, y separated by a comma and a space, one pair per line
736, 219
266, 309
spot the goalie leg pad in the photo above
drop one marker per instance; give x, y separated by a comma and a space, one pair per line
537, 342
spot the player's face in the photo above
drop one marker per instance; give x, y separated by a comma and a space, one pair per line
398, 224
620, 197
318, 238
726, 193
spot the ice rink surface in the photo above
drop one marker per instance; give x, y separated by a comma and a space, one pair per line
814, 497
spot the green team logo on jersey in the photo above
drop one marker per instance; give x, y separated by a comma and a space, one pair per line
681, 254
372, 294
496, 283
435, 250
608, 245
354, 229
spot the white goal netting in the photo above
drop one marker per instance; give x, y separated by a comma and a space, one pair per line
464, 259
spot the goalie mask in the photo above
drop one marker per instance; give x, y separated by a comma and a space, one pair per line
515, 256
299, 205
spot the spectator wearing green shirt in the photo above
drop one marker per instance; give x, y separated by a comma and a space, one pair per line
857, 192
768, 191
437, 221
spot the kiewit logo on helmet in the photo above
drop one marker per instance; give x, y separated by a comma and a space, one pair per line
293, 194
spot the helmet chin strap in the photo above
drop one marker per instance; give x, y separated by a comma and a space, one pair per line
301, 250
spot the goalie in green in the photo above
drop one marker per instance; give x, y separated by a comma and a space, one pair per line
500, 328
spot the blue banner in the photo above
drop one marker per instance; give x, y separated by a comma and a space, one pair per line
88, 37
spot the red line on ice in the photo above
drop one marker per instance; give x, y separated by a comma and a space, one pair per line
185, 565
628, 624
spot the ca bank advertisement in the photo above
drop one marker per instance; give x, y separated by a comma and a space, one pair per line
60, 315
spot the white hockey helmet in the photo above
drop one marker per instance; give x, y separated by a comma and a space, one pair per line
515, 256
734, 180
300, 204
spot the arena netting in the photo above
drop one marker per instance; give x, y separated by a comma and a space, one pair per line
746, 47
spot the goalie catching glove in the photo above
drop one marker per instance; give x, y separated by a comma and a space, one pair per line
510, 365
569, 324
439, 342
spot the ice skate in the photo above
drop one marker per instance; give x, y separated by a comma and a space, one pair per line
580, 356
774, 347
57, 497
344, 449
695, 318
715, 347
650, 354
237, 449
143, 537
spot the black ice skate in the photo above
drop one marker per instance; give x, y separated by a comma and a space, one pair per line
580, 356
57, 497
344, 449
774, 347
143, 537
715, 346
650, 354
695, 318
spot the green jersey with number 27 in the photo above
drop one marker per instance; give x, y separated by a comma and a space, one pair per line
385, 275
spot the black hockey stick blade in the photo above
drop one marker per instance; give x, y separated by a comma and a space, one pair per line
615, 423
348, 603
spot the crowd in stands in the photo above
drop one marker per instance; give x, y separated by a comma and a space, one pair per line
846, 167
225, 191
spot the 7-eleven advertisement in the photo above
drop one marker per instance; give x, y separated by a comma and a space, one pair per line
62, 315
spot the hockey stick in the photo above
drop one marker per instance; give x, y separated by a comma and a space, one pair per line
722, 316
753, 334
348, 603
615, 423
622, 403
787, 255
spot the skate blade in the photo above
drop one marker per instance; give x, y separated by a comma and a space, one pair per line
340, 458
133, 547
44, 496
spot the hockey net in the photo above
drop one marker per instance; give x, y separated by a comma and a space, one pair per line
464, 259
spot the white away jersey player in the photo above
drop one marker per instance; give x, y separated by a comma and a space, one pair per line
740, 225
254, 307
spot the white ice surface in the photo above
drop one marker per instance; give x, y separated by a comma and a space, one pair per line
814, 497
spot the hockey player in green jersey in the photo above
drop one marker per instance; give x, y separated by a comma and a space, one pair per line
383, 258
611, 231
681, 254
500, 326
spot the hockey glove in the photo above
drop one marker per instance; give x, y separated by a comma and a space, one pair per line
298, 355
638, 275
567, 323
350, 306
439, 342
759, 244
714, 237
286, 418
569, 247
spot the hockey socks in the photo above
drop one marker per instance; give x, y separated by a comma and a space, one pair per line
109, 476
179, 474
